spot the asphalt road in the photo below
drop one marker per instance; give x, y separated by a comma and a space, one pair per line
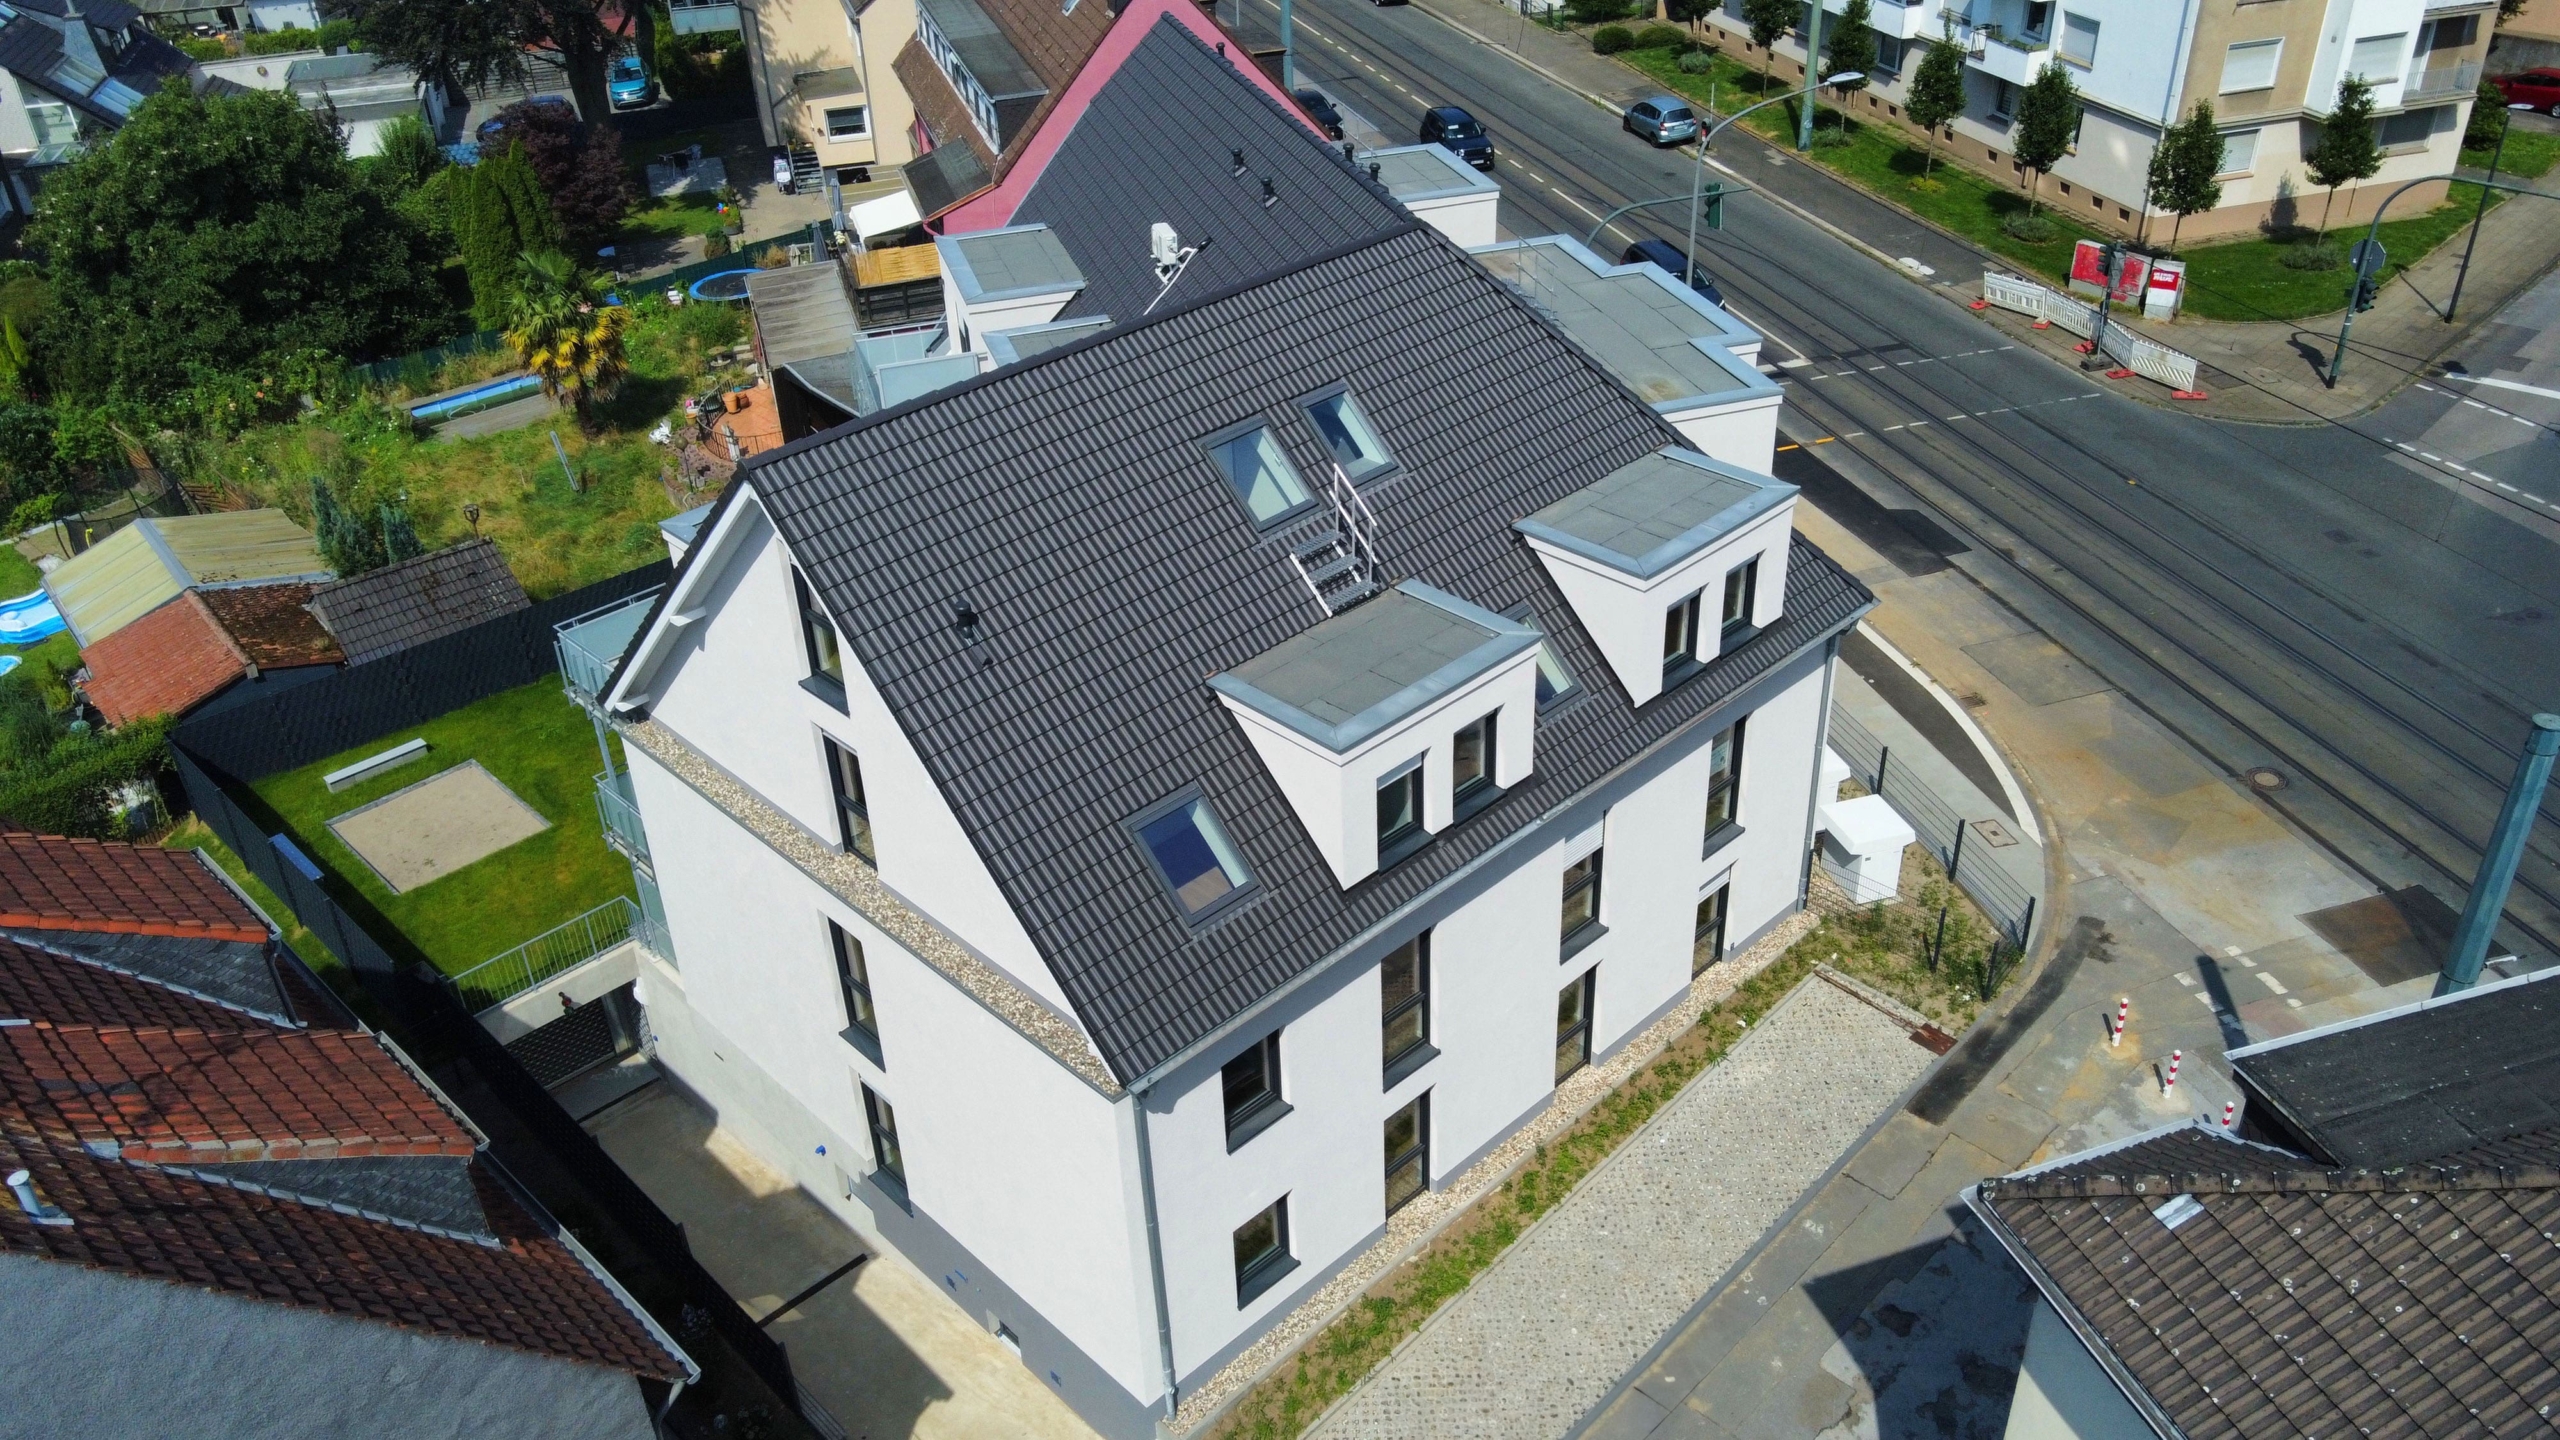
2312, 599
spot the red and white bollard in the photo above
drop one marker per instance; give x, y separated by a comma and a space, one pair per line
2174, 1057
2228, 1106
2124, 1007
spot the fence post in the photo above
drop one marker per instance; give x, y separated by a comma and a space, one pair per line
1955, 861
1937, 943
1884, 753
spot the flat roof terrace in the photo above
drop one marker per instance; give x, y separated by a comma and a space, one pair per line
1668, 344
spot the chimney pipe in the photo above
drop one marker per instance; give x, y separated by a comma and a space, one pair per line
2498, 860
1270, 193
24, 1186
1235, 162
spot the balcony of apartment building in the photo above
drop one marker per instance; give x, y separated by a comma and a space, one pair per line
2010, 40
702, 17
1902, 19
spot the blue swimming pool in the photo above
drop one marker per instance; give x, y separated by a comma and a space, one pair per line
479, 397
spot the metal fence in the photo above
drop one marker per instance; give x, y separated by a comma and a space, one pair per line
555, 951
418, 367
1940, 827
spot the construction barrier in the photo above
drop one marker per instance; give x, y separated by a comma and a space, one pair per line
2147, 358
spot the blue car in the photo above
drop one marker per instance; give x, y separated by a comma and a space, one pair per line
1667, 255
628, 84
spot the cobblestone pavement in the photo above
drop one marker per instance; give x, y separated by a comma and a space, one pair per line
1544, 1334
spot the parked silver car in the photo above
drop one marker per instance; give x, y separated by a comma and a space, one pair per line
1662, 120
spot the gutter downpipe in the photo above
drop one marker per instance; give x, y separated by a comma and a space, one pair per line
658, 1423
1155, 1251
1813, 802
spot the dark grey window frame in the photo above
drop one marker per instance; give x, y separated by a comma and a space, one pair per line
853, 978
1726, 790
1733, 629
1209, 447
888, 1154
1466, 800
1589, 982
1394, 1068
1571, 942
1245, 889
1259, 1112
1677, 664
819, 681
1573, 689
1256, 1275
853, 808
1307, 404
1416, 1156
1702, 955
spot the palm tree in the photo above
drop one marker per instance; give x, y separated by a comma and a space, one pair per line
567, 335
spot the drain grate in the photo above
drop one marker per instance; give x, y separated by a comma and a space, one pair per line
2266, 778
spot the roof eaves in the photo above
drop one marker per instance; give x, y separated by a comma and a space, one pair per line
2087, 1334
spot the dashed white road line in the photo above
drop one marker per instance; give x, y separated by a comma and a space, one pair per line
2482, 476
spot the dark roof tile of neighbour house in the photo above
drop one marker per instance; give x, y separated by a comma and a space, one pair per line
301, 1164
1100, 193
49, 883
166, 663
418, 600
1070, 499
273, 625
2413, 1082
2236, 1290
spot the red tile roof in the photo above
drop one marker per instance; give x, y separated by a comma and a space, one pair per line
166, 663
50, 883
271, 626
212, 1097
528, 1291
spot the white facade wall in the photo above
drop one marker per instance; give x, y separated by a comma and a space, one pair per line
1740, 432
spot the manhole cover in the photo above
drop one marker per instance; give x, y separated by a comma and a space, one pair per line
2266, 778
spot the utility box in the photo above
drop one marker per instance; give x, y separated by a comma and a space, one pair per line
2088, 272
2165, 290
1866, 838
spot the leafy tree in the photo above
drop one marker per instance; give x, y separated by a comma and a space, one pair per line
464, 45
2348, 150
15, 377
1850, 45
2488, 117
579, 167
1937, 89
567, 335
349, 545
1690, 12
2048, 119
27, 450
499, 217
409, 154
1768, 20
213, 236
2183, 165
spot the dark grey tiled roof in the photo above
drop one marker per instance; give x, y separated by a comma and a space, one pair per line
1068, 498
418, 600
1100, 192
2237, 1291
2417, 1083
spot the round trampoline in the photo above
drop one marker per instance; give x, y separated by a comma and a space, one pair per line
727, 285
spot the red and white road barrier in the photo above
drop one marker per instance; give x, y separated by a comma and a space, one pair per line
2228, 1106
2124, 1007
2174, 1057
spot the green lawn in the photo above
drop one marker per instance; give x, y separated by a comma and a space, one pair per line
2529, 155
689, 214
540, 746
18, 574
2242, 279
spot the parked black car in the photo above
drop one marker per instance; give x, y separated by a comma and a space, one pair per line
1455, 130
1321, 111
1668, 256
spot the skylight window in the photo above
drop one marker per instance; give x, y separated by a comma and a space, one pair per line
1346, 432
1193, 856
1259, 473
1555, 678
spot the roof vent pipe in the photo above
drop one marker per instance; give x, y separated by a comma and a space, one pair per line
1236, 159
1374, 167
23, 1185
1347, 151
1270, 193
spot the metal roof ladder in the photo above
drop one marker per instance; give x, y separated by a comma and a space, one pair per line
1340, 566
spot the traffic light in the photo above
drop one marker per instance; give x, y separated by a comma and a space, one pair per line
1715, 205
2366, 290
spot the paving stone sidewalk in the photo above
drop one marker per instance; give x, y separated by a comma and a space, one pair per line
1545, 1334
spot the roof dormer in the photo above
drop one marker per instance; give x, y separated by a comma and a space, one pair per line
1004, 280
1391, 721
1668, 562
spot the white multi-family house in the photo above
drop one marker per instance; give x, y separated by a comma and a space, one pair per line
2270, 68
1127, 821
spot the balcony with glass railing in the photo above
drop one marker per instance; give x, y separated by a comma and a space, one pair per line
591, 645
620, 813
2440, 82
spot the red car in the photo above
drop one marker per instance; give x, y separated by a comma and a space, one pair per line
2537, 88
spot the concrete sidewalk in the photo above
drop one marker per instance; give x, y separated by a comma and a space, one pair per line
1540, 1336
2261, 371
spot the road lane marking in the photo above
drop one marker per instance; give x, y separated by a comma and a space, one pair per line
2516, 385
2272, 982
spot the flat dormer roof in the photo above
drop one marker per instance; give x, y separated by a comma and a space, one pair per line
1359, 672
1645, 517
1664, 341
1005, 264
1427, 172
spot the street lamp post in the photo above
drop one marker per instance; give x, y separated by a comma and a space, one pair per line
1812, 58
1707, 138
2505, 119
2338, 359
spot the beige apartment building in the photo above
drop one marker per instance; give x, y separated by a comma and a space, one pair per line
2271, 69
823, 84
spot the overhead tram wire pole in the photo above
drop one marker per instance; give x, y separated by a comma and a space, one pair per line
2498, 858
1812, 59
1698, 171
2373, 236
2505, 119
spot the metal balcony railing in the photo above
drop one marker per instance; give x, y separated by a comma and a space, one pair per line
620, 813
554, 952
591, 645
2439, 82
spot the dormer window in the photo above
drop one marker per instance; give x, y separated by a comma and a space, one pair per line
818, 637
1193, 856
1741, 588
1471, 759
1261, 476
1680, 635
1555, 678
1347, 433
1399, 812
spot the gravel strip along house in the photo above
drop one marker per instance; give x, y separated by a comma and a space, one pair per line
1129, 821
